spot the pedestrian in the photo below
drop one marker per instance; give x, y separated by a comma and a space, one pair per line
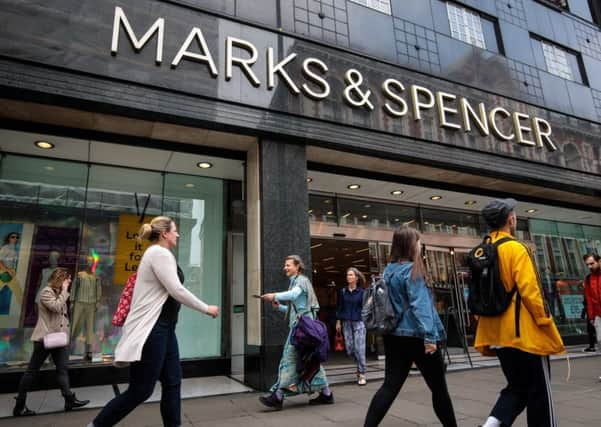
525, 334
590, 329
592, 293
52, 317
414, 340
348, 320
301, 300
148, 343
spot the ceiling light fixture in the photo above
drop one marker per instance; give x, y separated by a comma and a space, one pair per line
353, 186
531, 210
470, 202
49, 168
44, 145
204, 165
364, 216
330, 213
189, 185
309, 179
397, 192
435, 197
367, 206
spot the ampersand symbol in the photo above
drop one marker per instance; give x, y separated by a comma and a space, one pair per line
354, 79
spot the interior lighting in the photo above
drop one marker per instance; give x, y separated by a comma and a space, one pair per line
204, 165
45, 145
364, 216
367, 206
470, 202
330, 213
353, 186
531, 210
397, 192
309, 179
49, 168
435, 197
189, 185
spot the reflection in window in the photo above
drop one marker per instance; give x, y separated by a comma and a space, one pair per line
465, 25
442, 221
379, 5
557, 61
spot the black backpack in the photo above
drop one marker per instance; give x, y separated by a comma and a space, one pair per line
487, 294
378, 313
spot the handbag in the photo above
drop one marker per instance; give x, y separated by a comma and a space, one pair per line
56, 340
339, 342
125, 301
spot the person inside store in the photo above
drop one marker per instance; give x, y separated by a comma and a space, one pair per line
415, 338
301, 300
52, 318
9, 285
148, 343
524, 335
592, 293
348, 319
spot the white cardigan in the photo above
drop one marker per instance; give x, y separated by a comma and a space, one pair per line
157, 279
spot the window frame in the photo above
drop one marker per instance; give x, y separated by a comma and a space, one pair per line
482, 16
370, 5
556, 46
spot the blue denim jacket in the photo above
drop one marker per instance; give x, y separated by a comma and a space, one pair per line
413, 300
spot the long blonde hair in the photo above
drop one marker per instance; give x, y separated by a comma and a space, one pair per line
152, 231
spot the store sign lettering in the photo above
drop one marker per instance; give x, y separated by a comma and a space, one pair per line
454, 112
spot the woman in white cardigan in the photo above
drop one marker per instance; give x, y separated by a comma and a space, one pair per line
148, 343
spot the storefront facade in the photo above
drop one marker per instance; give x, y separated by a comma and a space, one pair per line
134, 95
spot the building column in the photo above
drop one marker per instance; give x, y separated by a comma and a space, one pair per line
283, 230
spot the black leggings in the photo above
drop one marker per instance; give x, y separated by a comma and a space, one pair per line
60, 357
401, 352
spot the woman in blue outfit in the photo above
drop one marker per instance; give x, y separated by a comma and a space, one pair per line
300, 299
348, 315
415, 338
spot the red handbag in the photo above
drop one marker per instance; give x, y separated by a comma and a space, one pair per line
339, 342
125, 301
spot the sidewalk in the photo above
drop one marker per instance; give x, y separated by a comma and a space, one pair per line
473, 391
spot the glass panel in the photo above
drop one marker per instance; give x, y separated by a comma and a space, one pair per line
465, 25
322, 208
197, 205
379, 5
557, 61
375, 214
450, 222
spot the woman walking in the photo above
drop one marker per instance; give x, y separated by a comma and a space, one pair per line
301, 300
348, 315
415, 337
52, 317
149, 344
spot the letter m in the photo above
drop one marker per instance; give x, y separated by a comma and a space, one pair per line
158, 26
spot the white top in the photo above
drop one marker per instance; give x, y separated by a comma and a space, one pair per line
157, 279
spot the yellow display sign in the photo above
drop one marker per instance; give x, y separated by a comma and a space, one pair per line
129, 250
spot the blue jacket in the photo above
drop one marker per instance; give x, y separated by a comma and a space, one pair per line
412, 300
349, 304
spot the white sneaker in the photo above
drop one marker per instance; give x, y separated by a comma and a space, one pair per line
362, 380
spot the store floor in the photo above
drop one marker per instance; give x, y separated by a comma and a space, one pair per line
339, 369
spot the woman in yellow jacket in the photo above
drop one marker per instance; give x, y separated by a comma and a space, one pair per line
524, 335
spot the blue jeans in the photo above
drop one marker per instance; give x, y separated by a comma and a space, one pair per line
160, 362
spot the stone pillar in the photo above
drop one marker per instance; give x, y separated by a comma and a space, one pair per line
284, 230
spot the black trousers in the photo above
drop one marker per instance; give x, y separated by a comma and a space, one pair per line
401, 353
528, 387
592, 334
60, 356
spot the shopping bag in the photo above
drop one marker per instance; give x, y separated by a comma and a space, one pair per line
338, 342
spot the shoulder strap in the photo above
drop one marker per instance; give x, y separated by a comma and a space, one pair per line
502, 240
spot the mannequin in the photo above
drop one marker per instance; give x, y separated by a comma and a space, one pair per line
53, 258
9, 285
85, 293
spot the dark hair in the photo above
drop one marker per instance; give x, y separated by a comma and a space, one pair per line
7, 238
595, 256
405, 247
297, 260
358, 274
57, 277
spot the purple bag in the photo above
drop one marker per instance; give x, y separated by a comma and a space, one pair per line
311, 335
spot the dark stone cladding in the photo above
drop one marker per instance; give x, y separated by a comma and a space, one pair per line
19, 80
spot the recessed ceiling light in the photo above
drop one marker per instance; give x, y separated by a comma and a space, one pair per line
531, 210
204, 165
309, 179
353, 186
310, 211
363, 216
45, 145
330, 213
49, 168
435, 197
189, 185
396, 192
327, 201
367, 205
470, 202
396, 220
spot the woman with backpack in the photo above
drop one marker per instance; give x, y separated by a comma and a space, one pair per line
414, 340
348, 315
301, 300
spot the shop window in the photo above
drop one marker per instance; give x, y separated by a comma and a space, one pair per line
379, 5
473, 27
375, 214
323, 208
85, 218
561, 61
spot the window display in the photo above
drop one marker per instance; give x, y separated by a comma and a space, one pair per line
85, 218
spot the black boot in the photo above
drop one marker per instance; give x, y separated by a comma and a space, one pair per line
20, 410
72, 402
